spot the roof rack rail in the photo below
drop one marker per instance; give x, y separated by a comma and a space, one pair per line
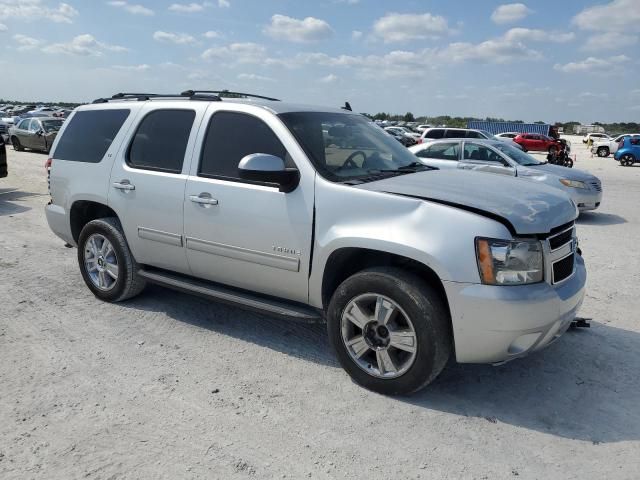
222, 93
142, 97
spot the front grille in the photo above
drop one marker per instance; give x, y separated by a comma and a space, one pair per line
562, 269
597, 186
561, 239
3, 128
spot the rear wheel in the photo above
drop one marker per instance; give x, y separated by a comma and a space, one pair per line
627, 160
603, 152
106, 263
17, 146
390, 330
553, 150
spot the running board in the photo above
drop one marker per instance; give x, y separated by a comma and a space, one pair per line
230, 295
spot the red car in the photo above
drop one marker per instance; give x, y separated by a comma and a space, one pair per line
538, 143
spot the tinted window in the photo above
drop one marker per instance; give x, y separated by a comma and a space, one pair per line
89, 135
452, 133
440, 151
435, 133
161, 140
472, 134
232, 136
473, 151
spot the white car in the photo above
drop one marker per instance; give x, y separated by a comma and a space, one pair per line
595, 137
423, 127
506, 136
604, 148
404, 131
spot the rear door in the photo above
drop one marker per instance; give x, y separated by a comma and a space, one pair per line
23, 134
443, 155
148, 180
481, 158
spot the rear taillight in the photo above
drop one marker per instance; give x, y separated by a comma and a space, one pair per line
420, 140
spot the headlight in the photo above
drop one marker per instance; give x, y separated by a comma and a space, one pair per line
509, 262
573, 183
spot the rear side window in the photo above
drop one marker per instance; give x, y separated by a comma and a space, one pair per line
440, 151
230, 137
89, 135
161, 140
454, 134
435, 133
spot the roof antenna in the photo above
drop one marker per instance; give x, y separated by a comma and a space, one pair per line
347, 106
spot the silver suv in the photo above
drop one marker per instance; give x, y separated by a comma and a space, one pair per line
316, 214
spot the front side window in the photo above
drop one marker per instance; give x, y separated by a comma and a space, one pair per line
231, 136
34, 126
440, 151
89, 135
24, 124
452, 133
161, 141
346, 147
481, 153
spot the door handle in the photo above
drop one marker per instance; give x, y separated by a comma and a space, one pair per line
123, 185
203, 200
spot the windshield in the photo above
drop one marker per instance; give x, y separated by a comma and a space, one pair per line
518, 155
52, 125
486, 134
348, 146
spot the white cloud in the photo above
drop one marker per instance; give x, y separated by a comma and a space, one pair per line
309, 29
3, 27
177, 38
224, 3
510, 12
211, 34
132, 8
403, 27
189, 7
593, 64
609, 41
537, 35
617, 15
26, 43
254, 77
331, 78
83, 45
132, 68
247, 52
32, 10
356, 34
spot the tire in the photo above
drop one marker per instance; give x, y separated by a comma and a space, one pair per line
568, 163
627, 160
17, 146
603, 152
553, 150
127, 283
428, 320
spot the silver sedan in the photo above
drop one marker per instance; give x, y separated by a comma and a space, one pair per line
495, 156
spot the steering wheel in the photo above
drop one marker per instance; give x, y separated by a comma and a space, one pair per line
350, 163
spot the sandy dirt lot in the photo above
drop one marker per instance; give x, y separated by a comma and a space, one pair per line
173, 386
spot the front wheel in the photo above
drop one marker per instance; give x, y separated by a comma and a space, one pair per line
553, 150
106, 263
390, 330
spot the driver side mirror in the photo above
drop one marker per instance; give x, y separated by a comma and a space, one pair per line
261, 167
39, 133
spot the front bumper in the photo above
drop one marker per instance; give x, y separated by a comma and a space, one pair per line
493, 324
585, 199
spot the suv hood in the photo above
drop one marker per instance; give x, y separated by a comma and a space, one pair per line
524, 207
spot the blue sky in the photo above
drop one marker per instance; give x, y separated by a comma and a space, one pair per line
543, 60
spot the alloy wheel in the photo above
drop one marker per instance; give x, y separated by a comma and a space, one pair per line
101, 262
379, 336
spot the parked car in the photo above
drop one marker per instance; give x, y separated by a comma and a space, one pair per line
495, 156
401, 137
628, 151
422, 127
604, 148
405, 131
439, 132
506, 136
595, 137
37, 133
3, 159
538, 143
404, 265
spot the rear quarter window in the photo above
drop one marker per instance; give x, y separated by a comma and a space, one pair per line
89, 135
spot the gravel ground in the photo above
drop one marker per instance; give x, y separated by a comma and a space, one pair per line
173, 386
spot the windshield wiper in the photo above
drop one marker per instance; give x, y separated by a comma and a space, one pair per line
417, 165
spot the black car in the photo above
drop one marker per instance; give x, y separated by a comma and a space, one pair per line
3, 159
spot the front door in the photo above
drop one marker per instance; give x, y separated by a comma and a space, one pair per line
443, 155
247, 235
148, 181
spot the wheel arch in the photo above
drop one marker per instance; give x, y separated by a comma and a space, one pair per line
83, 211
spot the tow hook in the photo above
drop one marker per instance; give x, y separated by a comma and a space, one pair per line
580, 322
